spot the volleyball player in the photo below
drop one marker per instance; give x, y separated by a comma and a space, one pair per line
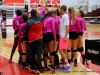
16, 23
49, 38
72, 55
73, 34
24, 46
59, 14
64, 38
80, 35
57, 23
20, 51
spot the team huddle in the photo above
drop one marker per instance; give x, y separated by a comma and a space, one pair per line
43, 34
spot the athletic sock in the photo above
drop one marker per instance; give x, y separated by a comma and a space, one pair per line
45, 65
75, 61
72, 56
66, 63
56, 58
23, 64
69, 61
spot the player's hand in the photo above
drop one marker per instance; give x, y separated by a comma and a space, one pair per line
65, 39
56, 3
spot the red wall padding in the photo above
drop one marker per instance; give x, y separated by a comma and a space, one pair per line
7, 2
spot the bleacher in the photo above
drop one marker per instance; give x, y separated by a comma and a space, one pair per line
94, 13
93, 17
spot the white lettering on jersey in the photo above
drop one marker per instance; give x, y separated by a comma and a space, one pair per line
17, 22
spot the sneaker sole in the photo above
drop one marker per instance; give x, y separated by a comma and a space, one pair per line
61, 70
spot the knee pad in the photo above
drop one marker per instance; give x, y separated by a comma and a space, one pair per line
68, 50
52, 53
74, 50
24, 53
80, 49
45, 54
55, 52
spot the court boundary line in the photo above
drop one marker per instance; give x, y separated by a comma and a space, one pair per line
85, 66
42, 74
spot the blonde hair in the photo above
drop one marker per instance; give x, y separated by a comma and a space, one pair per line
73, 13
53, 11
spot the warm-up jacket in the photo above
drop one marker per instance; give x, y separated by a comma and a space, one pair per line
34, 28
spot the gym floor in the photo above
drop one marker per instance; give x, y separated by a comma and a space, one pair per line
93, 32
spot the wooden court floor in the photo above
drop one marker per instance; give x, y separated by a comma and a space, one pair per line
6, 45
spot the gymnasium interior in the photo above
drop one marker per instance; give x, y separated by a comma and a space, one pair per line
91, 8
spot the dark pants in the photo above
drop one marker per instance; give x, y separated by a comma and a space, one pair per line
36, 47
20, 58
56, 58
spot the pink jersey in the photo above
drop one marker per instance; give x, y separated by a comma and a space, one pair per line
49, 26
74, 26
21, 30
16, 22
82, 25
57, 23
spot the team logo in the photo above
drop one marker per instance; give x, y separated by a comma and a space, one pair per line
93, 52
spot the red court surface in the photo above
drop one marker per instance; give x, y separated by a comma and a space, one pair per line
12, 68
92, 35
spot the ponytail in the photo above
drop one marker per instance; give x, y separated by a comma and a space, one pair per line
73, 14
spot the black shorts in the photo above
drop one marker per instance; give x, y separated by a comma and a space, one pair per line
73, 35
57, 37
80, 34
47, 37
23, 40
16, 32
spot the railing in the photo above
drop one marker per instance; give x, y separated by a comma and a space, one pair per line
80, 4
14, 6
95, 6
